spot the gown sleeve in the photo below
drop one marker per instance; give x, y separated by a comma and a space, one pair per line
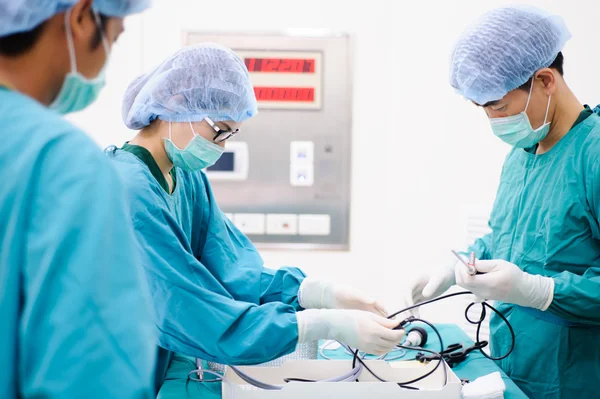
281, 285
195, 313
86, 325
234, 260
482, 247
577, 297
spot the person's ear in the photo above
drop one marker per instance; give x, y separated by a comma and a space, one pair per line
548, 78
82, 22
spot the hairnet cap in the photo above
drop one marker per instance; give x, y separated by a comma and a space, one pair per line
503, 49
23, 15
198, 81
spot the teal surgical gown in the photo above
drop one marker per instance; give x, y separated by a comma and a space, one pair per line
75, 317
545, 220
212, 296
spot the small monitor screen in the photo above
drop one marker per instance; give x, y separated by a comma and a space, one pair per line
225, 164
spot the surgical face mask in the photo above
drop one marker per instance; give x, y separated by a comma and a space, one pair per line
77, 91
517, 131
197, 155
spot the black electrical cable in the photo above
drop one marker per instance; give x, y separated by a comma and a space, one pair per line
480, 322
437, 356
407, 321
297, 380
410, 319
439, 298
435, 353
357, 358
406, 384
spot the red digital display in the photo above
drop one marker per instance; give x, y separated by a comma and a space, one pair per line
280, 65
296, 94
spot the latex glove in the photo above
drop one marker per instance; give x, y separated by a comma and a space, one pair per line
317, 294
430, 285
506, 282
359, 329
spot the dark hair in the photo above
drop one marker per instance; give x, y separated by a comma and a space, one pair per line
100, 30
19, 43
556, 64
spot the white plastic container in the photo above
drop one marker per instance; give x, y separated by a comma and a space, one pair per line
431, 387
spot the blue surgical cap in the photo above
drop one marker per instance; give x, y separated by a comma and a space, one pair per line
503, 50
23, 15
198, 81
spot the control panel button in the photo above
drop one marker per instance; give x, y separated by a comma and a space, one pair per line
301, 175
250, 223
284, 224
302, 152
314, 225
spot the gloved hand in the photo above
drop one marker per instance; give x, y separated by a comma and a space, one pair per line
316, 294
430, 285
506, 282
359, 329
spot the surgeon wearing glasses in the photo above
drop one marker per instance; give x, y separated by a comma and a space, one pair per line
213, 297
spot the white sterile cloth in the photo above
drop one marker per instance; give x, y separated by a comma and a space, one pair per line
489, 386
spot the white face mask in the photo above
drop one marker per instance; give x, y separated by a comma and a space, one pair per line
517, 131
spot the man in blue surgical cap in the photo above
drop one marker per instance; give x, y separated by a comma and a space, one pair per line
75, 321
541, 260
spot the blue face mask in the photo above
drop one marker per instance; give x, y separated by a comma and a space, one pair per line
197, 155
517, 131
77, 91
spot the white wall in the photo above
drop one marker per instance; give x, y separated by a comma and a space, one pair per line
434, 155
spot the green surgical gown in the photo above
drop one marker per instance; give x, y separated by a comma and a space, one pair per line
75, 317
545, 220
212, 295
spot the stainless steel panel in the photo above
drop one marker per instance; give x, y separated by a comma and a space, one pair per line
269, 134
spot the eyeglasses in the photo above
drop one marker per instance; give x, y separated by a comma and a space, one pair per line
221, 135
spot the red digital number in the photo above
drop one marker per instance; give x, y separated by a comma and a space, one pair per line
250, 64
291, 94
306, 95
283, 65
309, 66
277, 94
299, 65
271, 65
